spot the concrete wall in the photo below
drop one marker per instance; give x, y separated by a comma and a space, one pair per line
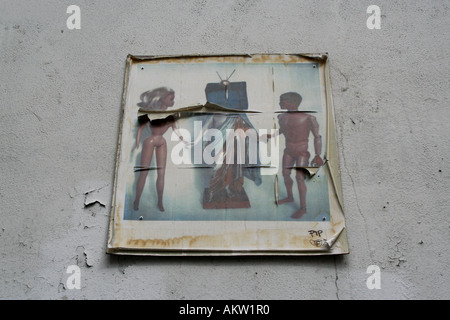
60, 104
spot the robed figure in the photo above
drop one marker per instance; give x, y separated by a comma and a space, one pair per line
239, 151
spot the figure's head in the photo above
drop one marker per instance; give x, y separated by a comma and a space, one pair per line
290, 100
157, 99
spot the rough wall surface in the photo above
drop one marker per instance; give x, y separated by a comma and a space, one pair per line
60, 104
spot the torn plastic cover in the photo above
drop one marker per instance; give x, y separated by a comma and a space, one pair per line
210, 109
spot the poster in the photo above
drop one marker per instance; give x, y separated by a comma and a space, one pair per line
227, 155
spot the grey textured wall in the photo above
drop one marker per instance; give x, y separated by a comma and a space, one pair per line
60, 104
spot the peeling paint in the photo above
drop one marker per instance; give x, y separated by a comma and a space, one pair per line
97, 195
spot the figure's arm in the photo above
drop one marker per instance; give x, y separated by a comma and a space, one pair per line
177, 132
314, 125
265, 137
268, 136
175, 129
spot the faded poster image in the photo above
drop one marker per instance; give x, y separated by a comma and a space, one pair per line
236, 139
217, 165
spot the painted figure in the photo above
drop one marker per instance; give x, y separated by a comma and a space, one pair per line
226, 184
226, 188
296, 128
154, 100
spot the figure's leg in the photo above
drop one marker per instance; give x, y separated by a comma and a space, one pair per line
146, 159
301, 184
288, 162
300, 176
161, 159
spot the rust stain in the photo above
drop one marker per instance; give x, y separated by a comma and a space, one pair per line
180, 242
264, 58
229, 58
190, 59
264, 239
118, 226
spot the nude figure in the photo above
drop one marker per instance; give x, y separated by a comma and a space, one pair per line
296, 128
158, 99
